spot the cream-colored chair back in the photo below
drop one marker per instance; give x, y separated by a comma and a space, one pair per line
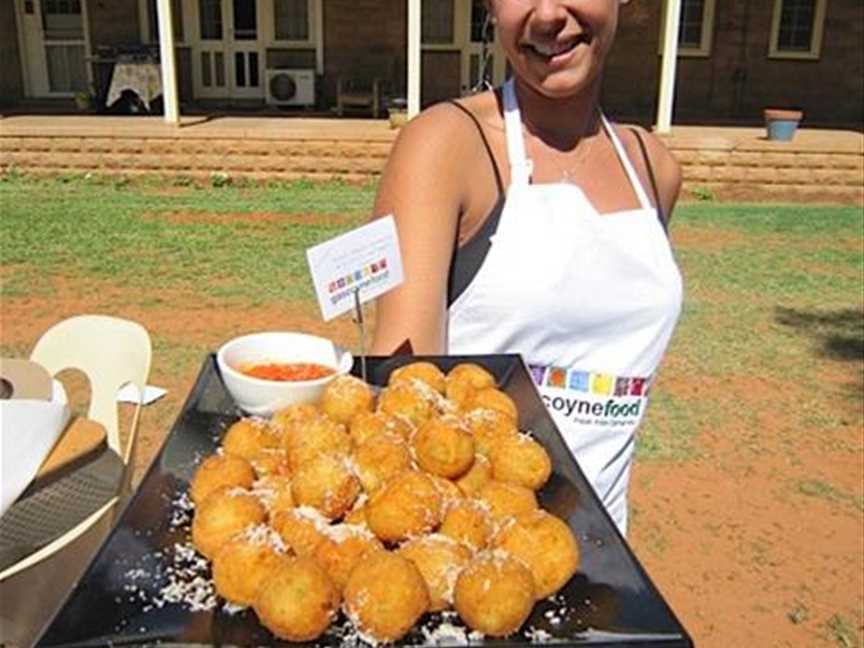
111, 352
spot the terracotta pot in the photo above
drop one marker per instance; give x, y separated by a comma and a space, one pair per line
783, 114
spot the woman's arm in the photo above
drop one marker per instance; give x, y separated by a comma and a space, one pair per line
422, 186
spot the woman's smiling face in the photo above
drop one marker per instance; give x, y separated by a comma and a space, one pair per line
557, 47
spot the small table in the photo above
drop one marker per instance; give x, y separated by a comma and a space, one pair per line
144, 78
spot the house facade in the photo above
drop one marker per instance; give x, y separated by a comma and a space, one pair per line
735, 57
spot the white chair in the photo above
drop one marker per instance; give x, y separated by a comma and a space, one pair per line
111, 352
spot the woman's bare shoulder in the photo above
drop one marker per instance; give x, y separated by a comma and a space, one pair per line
434, 153
665, 169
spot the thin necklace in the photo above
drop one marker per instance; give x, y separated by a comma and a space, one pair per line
575, 159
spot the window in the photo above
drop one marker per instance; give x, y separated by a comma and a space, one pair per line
62, 20
437, 22
292, 20
695, 29
210, 19
176, 19
796, 29
480, 25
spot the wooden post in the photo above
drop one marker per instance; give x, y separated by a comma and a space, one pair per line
666, 99
414, 16
168, 65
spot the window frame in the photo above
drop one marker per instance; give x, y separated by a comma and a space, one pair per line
706, 42
815, 51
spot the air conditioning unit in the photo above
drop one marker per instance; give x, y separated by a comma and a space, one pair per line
290, 87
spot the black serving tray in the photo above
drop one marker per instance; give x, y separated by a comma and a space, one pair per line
611, 601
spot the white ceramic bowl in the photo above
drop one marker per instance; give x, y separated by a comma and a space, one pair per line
263, 397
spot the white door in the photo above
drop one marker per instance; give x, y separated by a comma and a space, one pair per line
227, 49
54, 39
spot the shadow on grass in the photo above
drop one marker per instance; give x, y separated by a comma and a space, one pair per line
838, 334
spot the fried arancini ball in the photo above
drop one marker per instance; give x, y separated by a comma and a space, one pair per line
507, 500
357, 515
492, 398
298, 601
287, 416
379, 458
241, 565
343, 548
425, 372
385, 595
545, 544
248, 437
405, 400
222, 514
407, 505
489, 426
465, 379
274, 491
478, 475
271, 462
440, 560
346, 396
521, 460
327, 484
368, 424
444, 446
494, 594
468, 521
218, 471
301, 529
311, 438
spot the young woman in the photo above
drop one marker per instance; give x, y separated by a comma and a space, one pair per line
529, 224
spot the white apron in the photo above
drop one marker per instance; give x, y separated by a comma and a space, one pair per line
590, 302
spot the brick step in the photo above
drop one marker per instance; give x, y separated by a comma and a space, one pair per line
773, 175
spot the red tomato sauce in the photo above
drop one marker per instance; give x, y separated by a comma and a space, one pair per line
287, 371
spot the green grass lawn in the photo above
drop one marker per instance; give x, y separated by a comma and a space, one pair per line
769, 289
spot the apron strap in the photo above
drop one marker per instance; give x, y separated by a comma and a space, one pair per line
520, 165
628, 166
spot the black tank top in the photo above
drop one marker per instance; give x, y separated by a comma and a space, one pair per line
468, 257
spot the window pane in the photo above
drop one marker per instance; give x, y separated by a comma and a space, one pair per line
206, 77
292, 19
692, 16
796, 25
478, 22
239, 69
61, 22
253, 69
245, 20
66, 72
437, 21
219, 64
210, 14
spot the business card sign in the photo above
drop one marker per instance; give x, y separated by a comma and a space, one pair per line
364, 263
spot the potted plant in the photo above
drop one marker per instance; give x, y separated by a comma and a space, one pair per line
782, 123
397, 112
85, 100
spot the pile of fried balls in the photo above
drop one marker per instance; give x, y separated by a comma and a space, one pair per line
420, 499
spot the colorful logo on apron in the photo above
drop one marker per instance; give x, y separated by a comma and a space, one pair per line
599, 384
